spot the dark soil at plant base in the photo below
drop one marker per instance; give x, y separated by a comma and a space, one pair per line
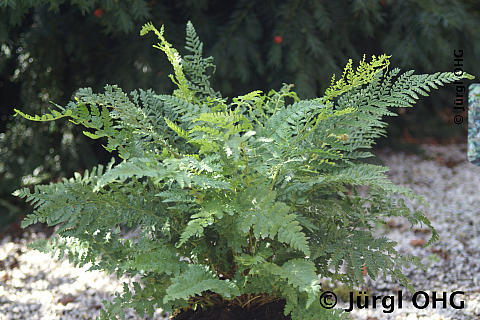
269, 311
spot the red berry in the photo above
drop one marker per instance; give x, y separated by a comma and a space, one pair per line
383, 2
277, 39
98, 13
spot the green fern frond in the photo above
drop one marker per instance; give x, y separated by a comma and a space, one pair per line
201, 220
273, 219
197, 67
175, 60
179, 131
55, 115
300, 274
350, 79
195, 280
161, 260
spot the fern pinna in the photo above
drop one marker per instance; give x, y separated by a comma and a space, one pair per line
242, 201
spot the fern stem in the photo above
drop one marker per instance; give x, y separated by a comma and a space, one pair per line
250, 300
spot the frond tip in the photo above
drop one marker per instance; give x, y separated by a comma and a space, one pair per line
55, 115
350, 79
147, 27
175, 60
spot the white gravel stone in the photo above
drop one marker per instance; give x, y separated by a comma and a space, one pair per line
450, 184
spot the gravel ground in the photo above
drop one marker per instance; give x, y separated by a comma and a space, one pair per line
35, 286
451, 186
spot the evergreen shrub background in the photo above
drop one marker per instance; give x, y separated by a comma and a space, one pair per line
48, 49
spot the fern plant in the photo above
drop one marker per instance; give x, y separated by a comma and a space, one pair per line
243, 201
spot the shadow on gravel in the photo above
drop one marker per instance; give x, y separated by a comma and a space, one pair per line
19, 310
